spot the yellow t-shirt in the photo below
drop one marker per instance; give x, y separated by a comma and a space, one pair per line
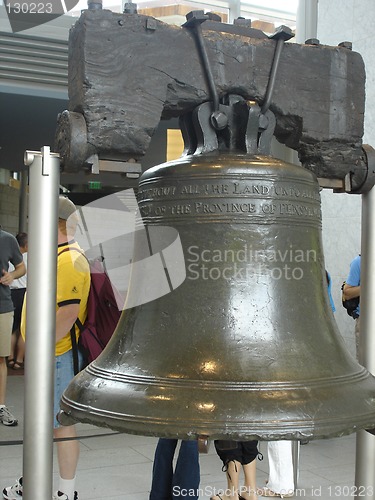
73, 286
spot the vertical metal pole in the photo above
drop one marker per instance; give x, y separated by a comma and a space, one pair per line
295, 460
307, 20
365, 446
22, 217
234, 10
306, 27
40, 324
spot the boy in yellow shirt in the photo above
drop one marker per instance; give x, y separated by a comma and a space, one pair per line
73, 285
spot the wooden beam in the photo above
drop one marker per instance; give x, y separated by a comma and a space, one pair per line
129, 71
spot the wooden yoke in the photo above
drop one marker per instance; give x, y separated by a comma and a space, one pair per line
129, 71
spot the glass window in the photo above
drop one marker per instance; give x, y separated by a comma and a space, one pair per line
273, 12
276, 12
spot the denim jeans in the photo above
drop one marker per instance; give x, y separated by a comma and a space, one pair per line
64, 373
183, 482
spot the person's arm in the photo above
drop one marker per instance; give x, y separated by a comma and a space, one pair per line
351, 292
66, 316
8, 277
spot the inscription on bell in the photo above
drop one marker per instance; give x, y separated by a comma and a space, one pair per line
190, 189
217, 189
251, 198
235, 188
180, 209
244, 188
276, 209
210, 208
250, 189
206, 189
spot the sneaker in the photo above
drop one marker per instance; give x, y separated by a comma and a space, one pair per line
7, 418
13, 492
62, 496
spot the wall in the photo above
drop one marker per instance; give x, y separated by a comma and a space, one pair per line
338, 21
9, 206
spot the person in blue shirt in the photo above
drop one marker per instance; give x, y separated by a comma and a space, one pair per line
329, 284
352, 289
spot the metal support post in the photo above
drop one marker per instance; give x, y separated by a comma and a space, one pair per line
307, 20
295, 460
365, 447
234, 10
40, 323
22, 218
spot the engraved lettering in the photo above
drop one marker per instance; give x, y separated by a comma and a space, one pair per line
274, 190
281, 191
160, 210
145, 210
156, 192
216, 188
190, 190
269, 208
214, 208
181, 209
292, 209
260, 189
313, 195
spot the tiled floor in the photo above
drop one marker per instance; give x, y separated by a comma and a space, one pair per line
118, 466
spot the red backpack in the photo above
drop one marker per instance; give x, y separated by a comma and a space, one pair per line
103, 315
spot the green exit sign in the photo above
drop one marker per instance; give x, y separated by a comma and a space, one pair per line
95, 185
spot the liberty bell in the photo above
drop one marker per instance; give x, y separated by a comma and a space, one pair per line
243, 346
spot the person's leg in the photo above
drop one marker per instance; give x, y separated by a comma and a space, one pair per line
249, 492
3, 379
186, 478
67, 456
231, 458
17, 349
67, 451
233, 485
162, 471
19, 352
249, 455
6, 322
12, 354
281, 478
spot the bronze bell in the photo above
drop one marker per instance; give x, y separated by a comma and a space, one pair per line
247, 346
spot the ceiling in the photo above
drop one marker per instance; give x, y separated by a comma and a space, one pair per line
26, 123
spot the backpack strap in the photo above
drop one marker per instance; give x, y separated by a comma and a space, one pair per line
73, 337
68, 249
74, 350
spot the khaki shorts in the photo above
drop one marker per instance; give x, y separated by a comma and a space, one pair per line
6, 324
